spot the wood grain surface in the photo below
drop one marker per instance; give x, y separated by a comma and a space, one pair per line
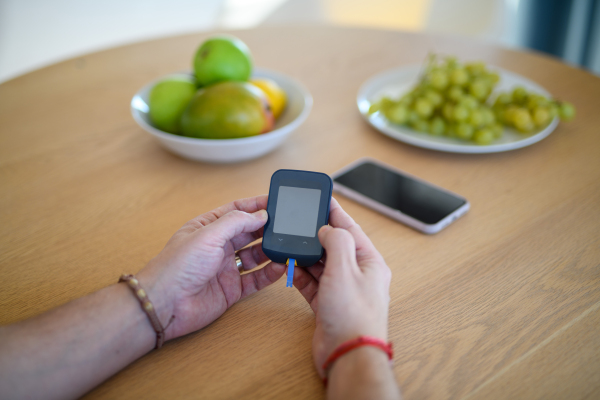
505, 303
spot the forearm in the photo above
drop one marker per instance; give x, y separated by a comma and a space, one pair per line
69, 350
363, 373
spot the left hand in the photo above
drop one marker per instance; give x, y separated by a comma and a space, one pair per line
195, 277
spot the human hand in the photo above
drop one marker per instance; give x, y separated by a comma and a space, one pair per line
195, 277
348, 290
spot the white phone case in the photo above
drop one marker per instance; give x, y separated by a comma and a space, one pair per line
393, 213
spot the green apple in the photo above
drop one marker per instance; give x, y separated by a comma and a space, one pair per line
168, 100
222, 58
227, 110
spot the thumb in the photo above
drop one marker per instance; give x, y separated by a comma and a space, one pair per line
341, 250
236, 222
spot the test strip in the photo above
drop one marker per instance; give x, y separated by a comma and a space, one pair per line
290, 275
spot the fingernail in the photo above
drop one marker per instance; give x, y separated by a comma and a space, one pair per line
325, 228
261, 214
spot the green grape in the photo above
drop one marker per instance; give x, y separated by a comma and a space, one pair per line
448, 111
553, 110
509, 114
502, 100
386, 102
488, 116
421, 125
535, 100
460, 113
519, 95
418, 91
479, 89
397, 114
381, 105
423, 107
522, 120
469, 102
438, 79
566, 111
464, 131
475, 68
483, 136
434, 97
541, 116
455, 93
450, 131
407, 99
412, 117
437, 126
477, 118
451, 63
497, 130
374, 108
500, 114
459, 77
493, 77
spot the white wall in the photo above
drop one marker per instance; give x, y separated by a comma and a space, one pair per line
35, 33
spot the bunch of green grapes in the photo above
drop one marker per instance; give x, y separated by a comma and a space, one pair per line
451, 99
527, 112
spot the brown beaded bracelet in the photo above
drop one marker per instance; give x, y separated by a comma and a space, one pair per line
148, 308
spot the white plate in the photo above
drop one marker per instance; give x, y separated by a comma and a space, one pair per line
299, 104
394, 83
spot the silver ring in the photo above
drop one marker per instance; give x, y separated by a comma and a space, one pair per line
238, 264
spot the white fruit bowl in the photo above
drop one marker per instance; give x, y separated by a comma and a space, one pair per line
299, 104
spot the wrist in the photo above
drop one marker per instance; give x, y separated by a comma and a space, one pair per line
161, 299
334, 342
361, 356
365, 367
138, 325
380, 334
354, 344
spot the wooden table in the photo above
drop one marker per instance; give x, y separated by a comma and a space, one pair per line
505, 303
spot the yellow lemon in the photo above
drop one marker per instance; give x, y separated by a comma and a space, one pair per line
274, 92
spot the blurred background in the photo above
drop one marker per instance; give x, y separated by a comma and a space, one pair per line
35, 33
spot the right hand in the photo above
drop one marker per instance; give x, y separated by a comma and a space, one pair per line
348, 290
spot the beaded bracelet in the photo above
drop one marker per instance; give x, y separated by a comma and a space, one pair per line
354, 344
148, 308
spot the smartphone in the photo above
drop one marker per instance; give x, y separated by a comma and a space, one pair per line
298, 207
398, 195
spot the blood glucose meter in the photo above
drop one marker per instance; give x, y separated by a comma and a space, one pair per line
298, 207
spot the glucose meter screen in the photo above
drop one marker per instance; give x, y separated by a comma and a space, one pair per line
297, 211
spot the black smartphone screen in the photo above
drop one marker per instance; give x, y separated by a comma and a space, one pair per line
416, 199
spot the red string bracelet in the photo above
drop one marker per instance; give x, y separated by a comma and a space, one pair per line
354, 344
